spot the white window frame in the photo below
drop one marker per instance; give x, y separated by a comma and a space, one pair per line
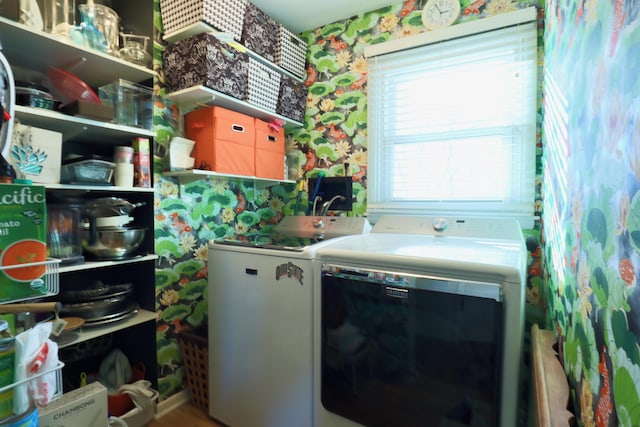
383, 200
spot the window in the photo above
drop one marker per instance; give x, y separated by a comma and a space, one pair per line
452, 123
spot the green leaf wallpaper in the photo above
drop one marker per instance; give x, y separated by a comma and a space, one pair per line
333, 140
591, 202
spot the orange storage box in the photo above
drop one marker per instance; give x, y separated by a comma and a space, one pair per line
269, 151
225, 140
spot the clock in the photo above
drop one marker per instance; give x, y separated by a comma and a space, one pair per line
440, 13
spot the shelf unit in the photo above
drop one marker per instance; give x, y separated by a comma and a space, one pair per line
75, 128
201, 27
202, 96
187, 176
35, 50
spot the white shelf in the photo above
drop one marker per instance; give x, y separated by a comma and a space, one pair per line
75, 128
87, 188
202, 96
88, 332
36, 50
201, 27
90, 265
186, 176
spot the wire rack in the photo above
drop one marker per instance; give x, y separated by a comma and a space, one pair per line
48, 284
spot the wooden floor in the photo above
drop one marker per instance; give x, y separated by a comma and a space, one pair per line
186, 415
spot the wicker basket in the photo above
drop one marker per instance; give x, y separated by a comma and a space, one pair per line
195, 354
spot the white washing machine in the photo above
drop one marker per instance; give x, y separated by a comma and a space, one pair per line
260, 322
420, 323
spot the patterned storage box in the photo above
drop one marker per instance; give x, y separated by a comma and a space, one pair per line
263, 86
259, 32
204, 60
292, 100
223, 15
291, 52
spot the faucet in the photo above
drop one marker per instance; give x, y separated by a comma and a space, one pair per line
327, 205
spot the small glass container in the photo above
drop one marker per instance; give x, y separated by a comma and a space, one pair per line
59, 16
135, 49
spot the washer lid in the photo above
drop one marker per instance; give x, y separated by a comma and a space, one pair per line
470, 259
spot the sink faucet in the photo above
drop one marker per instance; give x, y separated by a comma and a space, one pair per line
327, 205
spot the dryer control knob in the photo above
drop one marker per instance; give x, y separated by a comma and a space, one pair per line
439, 224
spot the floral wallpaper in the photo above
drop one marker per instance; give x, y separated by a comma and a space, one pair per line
592, 202
333, 139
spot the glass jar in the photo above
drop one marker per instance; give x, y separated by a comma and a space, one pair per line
134, 49
59, 16
63, 232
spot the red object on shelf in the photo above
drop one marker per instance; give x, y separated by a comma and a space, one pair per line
121, 403
68, 88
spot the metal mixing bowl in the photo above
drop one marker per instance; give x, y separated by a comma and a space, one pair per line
112, 242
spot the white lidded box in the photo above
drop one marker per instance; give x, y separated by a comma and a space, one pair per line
84, 406
36, 154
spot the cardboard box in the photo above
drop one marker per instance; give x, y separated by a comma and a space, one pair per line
269, 158
36, 153
225, 140
141, 162
85, 406
23, 240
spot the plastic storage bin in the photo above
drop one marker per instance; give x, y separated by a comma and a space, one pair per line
132, 103
87, 171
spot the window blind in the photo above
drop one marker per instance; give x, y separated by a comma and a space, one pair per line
452, 127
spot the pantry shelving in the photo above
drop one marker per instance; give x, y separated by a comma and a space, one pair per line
75, 128
35, 51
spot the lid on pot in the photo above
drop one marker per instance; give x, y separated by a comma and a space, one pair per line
113, 221
110, 206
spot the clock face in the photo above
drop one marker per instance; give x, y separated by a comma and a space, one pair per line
440, 13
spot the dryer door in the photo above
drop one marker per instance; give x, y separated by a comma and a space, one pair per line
410, 351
